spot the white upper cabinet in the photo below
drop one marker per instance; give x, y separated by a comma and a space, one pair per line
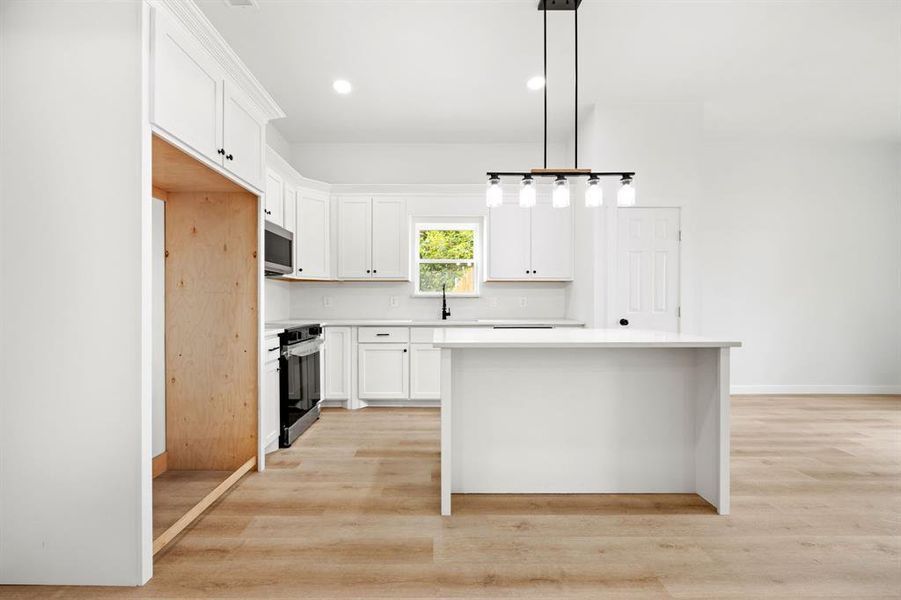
187, 88
389, 238
311, 235
372, 238
509, 242
354, 228
274, 207
530, 243
290, 195
244, 137
202, 98
552, 242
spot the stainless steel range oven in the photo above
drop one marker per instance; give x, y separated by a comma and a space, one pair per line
299, 381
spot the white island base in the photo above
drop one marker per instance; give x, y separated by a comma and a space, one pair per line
583, 411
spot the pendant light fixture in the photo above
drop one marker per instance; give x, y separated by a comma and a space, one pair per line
494, 195
626, 194
594, 193
527, 192
560, 196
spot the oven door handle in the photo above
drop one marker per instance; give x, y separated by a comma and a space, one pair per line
302, 349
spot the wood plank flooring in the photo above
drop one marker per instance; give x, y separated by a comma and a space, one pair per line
176, 492
352, 512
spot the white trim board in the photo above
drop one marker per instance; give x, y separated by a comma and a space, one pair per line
814, 389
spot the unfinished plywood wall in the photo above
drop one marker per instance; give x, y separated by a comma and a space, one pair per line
211, 329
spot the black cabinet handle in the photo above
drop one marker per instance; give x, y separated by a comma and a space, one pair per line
624, 322
367, 270
300, 270
273, 349
374, 271
534, 271
382, 334
220, 151
229, 157
405, 349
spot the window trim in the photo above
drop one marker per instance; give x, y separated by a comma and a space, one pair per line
448, 225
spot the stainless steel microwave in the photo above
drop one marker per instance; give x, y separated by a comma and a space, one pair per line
278, 250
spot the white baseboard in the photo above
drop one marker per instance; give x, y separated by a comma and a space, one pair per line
845, 390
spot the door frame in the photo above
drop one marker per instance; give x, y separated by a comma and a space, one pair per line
612, 264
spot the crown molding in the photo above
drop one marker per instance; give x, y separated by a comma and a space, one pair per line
192, 18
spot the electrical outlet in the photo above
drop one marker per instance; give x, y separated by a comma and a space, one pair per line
392, 301
492, 302
327, 301
523, 301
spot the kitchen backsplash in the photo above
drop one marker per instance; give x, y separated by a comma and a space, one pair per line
394, 301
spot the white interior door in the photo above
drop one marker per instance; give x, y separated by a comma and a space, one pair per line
647, 291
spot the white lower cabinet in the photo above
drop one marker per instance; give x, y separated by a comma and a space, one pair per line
425, 372
384, 371
270, 396
337, 370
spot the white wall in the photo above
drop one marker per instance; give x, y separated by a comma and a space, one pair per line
802, 262
416, 163
74, 462
792, 246
276, 141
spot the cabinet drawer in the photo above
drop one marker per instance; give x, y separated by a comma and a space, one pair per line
383, 334
422, 335
271, 349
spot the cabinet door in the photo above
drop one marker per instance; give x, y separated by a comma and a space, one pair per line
425, 372
552, 242
389, 239
186, 95
337, 363
354, 226
290, 204
275, 198
508, 243
244, 133
270, 410
312, 239
384, 371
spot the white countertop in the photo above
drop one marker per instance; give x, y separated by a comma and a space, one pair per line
572, 338
478, 323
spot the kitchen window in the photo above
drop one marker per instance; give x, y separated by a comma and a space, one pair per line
446, 254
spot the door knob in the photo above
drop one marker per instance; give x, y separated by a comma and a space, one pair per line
624, 322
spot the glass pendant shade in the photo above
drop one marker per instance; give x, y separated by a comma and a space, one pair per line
594, 194
626, 194
560, 196
527, 193
494, 194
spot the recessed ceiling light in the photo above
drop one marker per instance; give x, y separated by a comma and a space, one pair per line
342, 86
535, 83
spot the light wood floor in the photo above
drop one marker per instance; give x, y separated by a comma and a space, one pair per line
176, 492
351, 511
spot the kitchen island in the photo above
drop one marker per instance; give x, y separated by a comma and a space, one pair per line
583, 411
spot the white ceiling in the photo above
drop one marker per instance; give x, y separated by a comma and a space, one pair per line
455, 70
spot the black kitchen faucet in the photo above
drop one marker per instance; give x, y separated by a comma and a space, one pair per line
445, 312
